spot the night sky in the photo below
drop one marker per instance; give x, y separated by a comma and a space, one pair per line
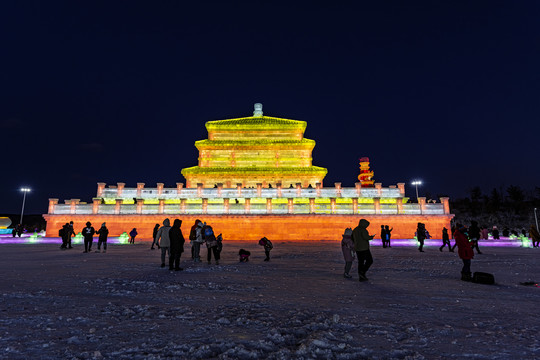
119, 91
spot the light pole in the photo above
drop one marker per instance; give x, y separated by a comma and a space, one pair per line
24, 190
416, 183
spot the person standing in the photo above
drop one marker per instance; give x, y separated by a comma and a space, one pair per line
383, 236
211, 244
535, 236
388, 234
361, 239
474, 235
177, 245
71, 232
132, 235
62, 233
199, 239
20, 230
484, 233
445, 240
421, 236
162, 240
495, 232
88, 234
103, 232
465, 251
347, 247
154, 233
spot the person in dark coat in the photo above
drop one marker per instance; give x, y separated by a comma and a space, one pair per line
212, 247
20, 230
388, 235
132, 234
14, 231
267, 244
465, 252
421, 236
506, 232
535, 236
154, 233
70, 233
177, 245
193, 237
62, 233
361, 239
495, 233
383, 236
446, 240
88, 234
474, 235
103, 232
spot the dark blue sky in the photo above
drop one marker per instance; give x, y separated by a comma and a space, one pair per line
120, 90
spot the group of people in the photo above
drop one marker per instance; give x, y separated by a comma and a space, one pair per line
87, 232
355, 243
386, 234
17, 230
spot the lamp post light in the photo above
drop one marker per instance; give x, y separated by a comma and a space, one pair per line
416, 183
24, 190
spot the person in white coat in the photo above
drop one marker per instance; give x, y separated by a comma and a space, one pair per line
199, 240
162, 240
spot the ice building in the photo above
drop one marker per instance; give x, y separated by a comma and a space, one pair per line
255, 178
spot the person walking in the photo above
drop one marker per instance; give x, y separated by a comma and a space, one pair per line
347, 247
103, 233
154, 233
474, 235
388, 235
421, 236
20, 229
211, 244
535, 236
445, 240
267, 244
132, 234
88, 234
465, 251
177, 245
361, 239
163, 241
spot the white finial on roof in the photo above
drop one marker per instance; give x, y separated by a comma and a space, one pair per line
258, 110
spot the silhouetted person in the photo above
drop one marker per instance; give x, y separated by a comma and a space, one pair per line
474, 235
163, 241
20, 229
495, 233
64, 233
88, 234
388, 235
132, 234
421, 235
361, 239
154, 233
446, 240
506, 232
267, 244
177, 245
103, 232
71, 232
383, 236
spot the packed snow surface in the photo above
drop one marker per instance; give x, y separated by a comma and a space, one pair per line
123, 305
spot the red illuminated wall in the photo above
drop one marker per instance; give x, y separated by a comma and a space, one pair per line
253, 227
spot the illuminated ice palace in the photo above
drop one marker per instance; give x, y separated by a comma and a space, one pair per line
255, 178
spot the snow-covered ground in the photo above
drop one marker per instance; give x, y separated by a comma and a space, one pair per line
122, 305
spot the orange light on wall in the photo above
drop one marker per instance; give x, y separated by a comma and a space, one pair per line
333, 205
139, 206
95, 205
183, 206
100, 188
161, 206
117, 205
205, 206
226, 205
290, 205
355, 205
269, 205
377, 205
312, 205
159, 188
52, 205
247, 205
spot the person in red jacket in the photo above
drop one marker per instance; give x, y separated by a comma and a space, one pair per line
465, 251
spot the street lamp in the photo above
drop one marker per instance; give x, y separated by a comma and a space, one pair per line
24, 190
536, 219
416, 183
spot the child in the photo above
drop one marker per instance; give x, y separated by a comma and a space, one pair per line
347, 246
244, 255
267, 247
